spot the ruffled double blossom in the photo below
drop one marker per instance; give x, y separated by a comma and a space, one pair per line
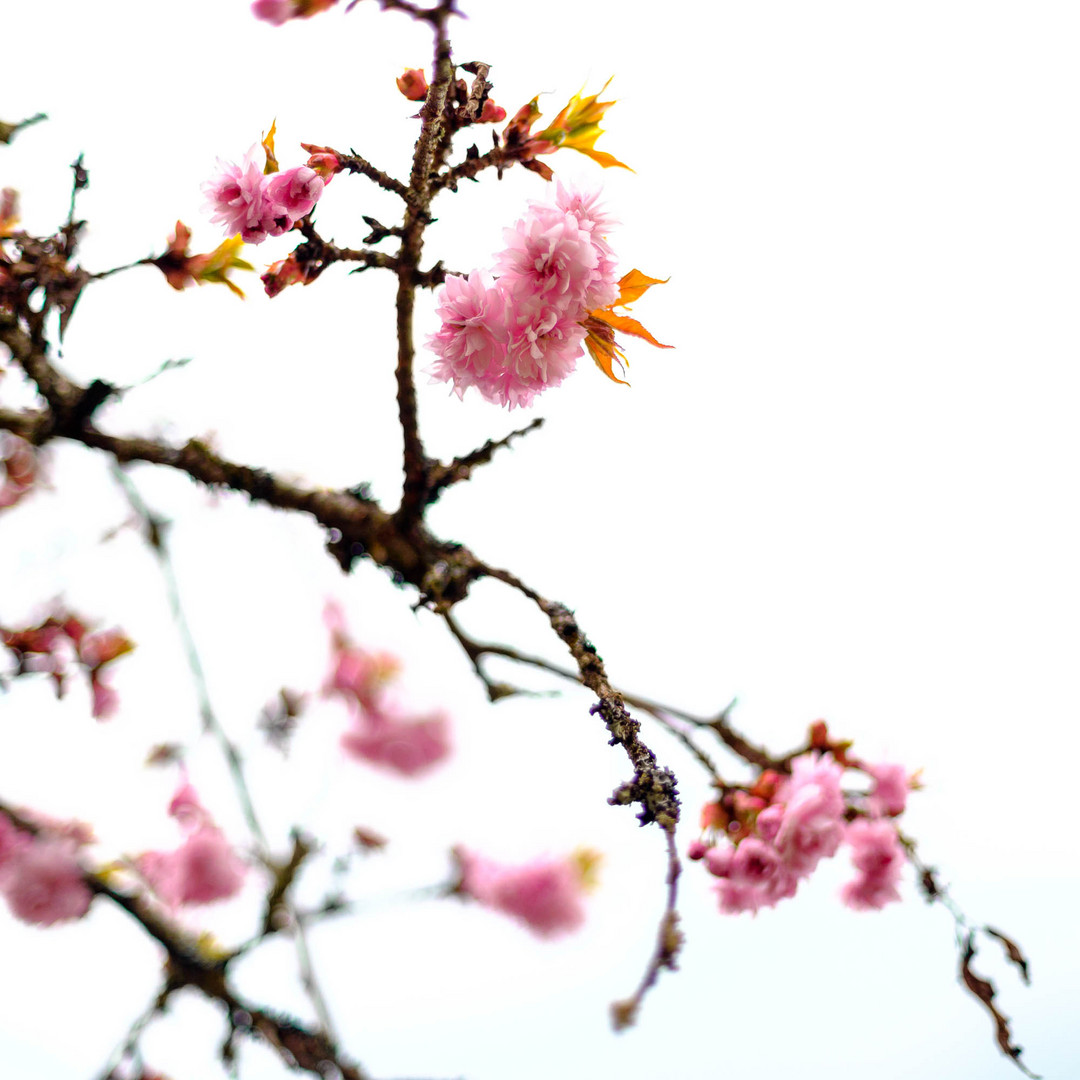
514, 335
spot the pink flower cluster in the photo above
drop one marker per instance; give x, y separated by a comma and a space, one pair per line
50, 646
256, 205
204, 868
40, 876
19, 463
382, 733
780, 841
281, 11
546, 894
514, 335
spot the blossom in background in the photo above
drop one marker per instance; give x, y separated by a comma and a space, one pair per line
382, 732
878, 855
20, 466
890, 791
812, 824
204, 868
40, 876
762, 841
280, 11
547, 894
62, 639
406, 745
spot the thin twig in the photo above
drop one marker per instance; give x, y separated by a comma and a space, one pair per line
156, 528
669, 940
442, 476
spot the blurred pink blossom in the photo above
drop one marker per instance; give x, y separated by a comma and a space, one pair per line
890, 791
813, 822
406, 746
546, 894
879, 857
42, 882
12, 838
203, 869
280, 11
272, 11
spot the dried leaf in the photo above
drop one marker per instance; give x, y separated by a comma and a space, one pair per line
1014, 953
984, 990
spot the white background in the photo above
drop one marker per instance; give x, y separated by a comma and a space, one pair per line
849, 493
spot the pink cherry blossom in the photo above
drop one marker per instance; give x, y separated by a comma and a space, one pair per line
272, 11
514, 336
756, 878
280, 11
812, 826
471, 343
879, 857
550, 257
360, 676
718, 860
203, 869
546, 894
407, 746
42, 882
237, 198
769, 820
18, 461
12, 838
293, 193
890, 791
104, 698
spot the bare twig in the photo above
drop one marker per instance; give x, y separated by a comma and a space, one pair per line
669, 940
440, 476
156, 529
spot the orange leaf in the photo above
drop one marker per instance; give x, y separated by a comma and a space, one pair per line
268, 145
624, 324
633, 285
600, 341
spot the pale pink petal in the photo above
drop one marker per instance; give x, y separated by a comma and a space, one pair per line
406, 746
546, 895
43, 883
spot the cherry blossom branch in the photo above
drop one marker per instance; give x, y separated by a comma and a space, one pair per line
352, 162
186, 965
669, 941
128, 1046
432, 127
155, 533
440, 476
983, 990
653, 786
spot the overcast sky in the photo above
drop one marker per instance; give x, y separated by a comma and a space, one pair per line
849, 493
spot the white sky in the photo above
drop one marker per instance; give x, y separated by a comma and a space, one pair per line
850, 492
